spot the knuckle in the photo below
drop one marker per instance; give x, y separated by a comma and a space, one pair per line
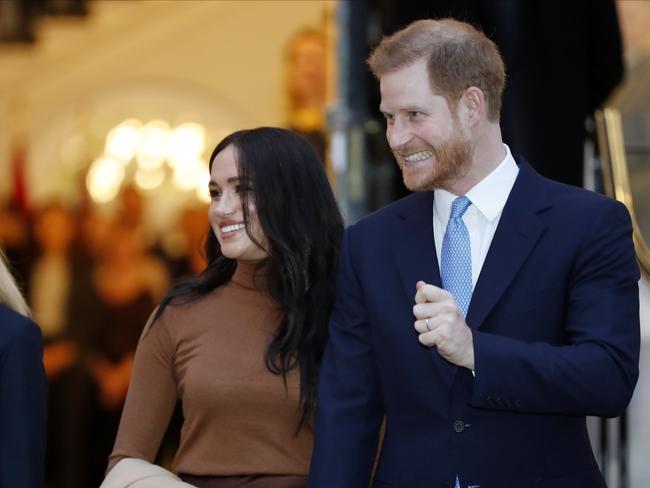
450, 307
448, 297
425, 339
444, 334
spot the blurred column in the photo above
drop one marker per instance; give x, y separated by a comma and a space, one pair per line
346, 119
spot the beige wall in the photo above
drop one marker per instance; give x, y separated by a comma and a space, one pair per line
214, 62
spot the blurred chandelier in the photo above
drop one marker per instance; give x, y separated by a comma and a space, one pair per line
152, 154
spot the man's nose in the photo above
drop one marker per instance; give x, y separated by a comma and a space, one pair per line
397, 134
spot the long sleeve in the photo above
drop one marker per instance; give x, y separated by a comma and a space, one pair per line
22, 407
151, 398
595, 371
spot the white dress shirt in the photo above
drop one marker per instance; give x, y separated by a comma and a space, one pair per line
488, 198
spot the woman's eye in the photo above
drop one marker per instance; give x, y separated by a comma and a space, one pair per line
214, 193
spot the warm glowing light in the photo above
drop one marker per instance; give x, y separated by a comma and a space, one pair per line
73, 151
148, 146
188, 175
122, 141
104, 179
149, 180
187, 141
202, 192
151, 151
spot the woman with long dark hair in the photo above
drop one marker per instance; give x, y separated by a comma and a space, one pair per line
22, 389
241, 345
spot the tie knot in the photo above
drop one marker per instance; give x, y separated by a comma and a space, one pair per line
459, 206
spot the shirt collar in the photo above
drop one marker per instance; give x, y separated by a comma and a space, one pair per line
489, 195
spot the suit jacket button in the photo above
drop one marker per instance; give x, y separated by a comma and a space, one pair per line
459, 426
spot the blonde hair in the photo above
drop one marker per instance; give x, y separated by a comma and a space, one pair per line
458, 56
10, 295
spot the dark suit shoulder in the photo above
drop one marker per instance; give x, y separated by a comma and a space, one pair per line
16, 327
573, 199
570, 200
413, 202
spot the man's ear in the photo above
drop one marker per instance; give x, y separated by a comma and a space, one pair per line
473, 100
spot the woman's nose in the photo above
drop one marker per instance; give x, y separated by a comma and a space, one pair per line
227, 203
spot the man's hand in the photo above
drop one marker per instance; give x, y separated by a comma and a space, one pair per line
440, 323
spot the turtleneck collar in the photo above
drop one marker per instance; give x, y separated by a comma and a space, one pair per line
250, 275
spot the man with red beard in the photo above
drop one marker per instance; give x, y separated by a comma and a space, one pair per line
485, 315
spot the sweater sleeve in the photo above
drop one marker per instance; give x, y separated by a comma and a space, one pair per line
151, 397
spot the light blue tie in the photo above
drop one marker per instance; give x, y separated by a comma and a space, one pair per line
456, 256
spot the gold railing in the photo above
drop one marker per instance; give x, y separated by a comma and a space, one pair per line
616, 176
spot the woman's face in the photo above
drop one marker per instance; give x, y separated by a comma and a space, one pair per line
226, 212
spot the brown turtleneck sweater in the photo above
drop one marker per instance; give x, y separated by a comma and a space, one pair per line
238, 417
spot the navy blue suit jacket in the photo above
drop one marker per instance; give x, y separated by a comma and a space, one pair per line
556, 337
22, 402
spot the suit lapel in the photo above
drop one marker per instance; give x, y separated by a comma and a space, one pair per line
415, 254
520, 226
519, 229
414, 246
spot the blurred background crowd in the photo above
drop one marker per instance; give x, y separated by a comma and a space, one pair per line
92, 281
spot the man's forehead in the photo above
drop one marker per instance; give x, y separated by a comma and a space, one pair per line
407, 78
407, 96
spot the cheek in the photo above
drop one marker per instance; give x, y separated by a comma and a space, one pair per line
212, 216
256, 227
434, 133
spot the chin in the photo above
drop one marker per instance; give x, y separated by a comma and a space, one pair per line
231, 253
419, 182
247, 255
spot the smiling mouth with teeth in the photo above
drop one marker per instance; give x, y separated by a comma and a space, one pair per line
418, 156
227, 230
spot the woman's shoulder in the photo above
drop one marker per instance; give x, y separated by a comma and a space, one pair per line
181, 310
184, 305
16, 327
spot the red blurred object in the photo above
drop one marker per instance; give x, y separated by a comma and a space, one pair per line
18, 178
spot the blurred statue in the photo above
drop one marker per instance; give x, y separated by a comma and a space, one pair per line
306, 61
